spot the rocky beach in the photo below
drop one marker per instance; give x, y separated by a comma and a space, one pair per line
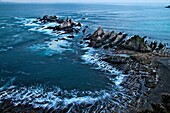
145, 64
83, 62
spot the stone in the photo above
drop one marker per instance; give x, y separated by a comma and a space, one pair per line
136, 43
115, 60
70, 36
167, 6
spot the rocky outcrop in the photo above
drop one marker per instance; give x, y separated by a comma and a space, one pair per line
119, 41
105, 40
67, 25
136, 43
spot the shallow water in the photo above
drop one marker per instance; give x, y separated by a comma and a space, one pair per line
44, 66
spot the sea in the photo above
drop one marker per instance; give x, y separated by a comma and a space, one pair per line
36, 70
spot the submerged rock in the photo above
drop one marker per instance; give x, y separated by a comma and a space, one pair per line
167, 6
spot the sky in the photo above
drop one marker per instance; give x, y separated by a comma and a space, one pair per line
88, 1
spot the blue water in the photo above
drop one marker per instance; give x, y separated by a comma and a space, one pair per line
25, 56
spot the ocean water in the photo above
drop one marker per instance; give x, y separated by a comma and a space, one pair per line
32, 63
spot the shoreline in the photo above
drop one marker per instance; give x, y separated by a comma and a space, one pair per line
164, 78
139, 60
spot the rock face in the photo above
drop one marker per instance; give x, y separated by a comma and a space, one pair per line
119, 41
136, 43
112, 40
105, 40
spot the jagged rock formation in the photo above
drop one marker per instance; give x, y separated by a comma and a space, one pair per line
101, 39
67, 26
137, 60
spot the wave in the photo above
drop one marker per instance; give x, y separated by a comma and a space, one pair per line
61, 99
57, 45
93, 57
38, 97
5, 49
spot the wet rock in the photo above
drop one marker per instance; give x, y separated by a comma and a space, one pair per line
119, 39
70, 36
167, 6
79, 24
166, 101
108, 39
161, 46
81, 42
48, 18
136, 43
115, 60
68, 23
163, 107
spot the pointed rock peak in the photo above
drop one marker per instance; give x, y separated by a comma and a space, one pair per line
100, 31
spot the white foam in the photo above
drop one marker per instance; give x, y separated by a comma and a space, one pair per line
39, 98
31, 24
5, 49
52, 24
93, 58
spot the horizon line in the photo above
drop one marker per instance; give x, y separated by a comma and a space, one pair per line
84, 2
101, 2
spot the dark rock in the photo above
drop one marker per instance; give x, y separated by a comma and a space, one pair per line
167, 6
83, 18
86, 38
166, 101
79, 24
35, 21
53, 28
115, 60
158, 108
119, 39
84, 30
161, 46
136, 43
97, 36
106, 47
47, 18
97, 45
70, 36
81, 42
98, 32
120, 33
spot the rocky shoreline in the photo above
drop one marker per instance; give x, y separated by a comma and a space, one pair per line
134, 56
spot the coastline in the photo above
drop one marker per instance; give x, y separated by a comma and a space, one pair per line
138, 62
164, 76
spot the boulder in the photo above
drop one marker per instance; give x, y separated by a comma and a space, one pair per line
71, 36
